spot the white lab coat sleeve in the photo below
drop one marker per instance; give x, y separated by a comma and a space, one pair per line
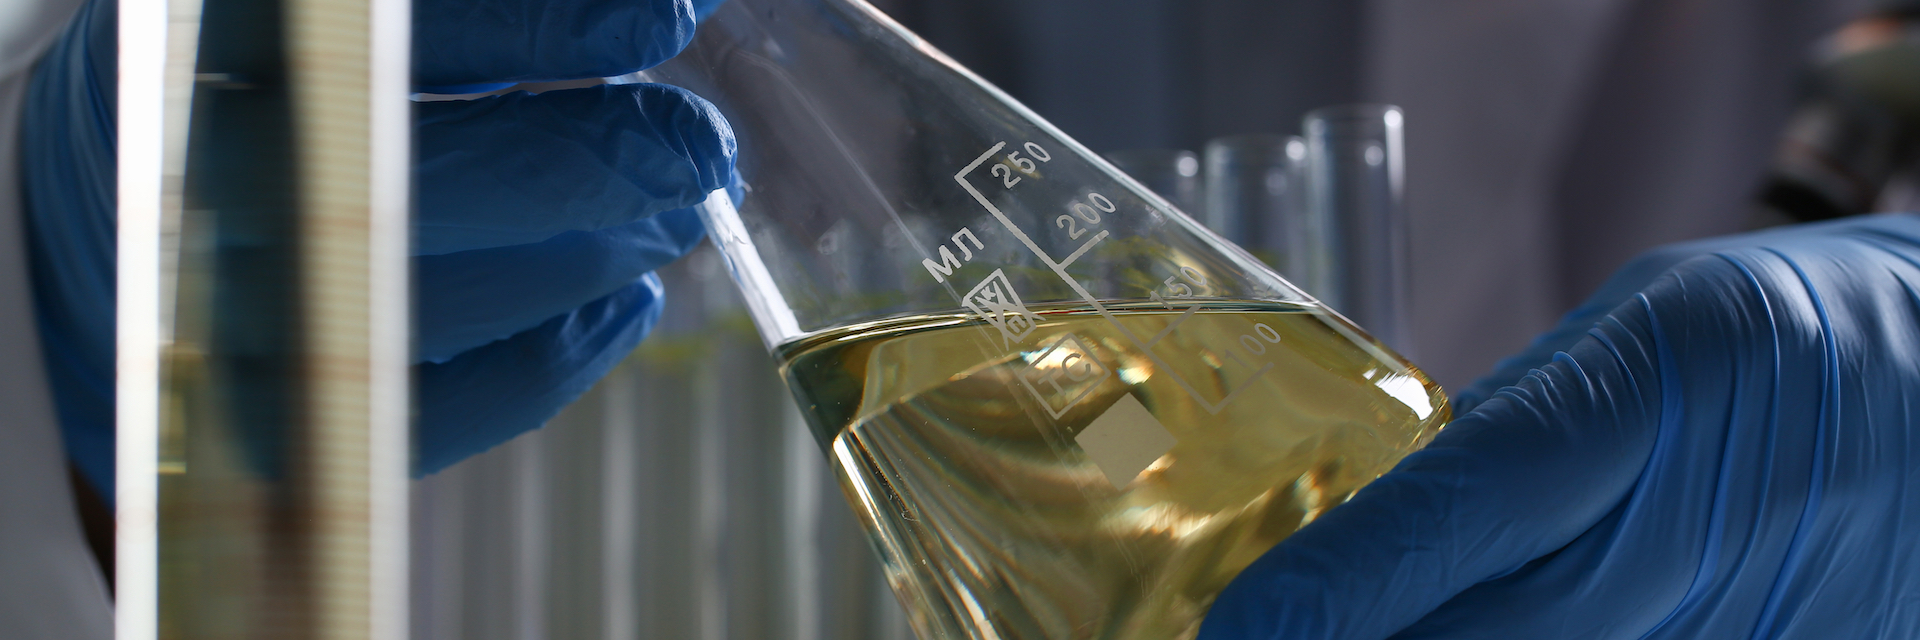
50, 586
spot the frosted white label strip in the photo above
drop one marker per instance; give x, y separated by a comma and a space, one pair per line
1125, 440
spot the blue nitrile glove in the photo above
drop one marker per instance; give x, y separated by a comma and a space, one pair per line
538, 217
1623, 284
1732, 452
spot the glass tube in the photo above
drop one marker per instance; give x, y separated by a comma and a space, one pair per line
1356, 217
1255, 195
682, 498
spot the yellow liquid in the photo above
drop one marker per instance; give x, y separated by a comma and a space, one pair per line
1073, 484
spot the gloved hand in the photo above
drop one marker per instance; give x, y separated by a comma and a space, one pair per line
541, 217
1732, 452
538, 217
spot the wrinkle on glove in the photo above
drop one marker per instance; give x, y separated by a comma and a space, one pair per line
457, 300
67, 138
1730, 453
486, 396
522, 168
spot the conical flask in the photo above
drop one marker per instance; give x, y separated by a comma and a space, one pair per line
1061, 408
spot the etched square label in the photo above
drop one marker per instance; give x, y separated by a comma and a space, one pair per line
995, 301
1063, 374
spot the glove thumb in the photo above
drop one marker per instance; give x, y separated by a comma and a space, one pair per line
1523, 475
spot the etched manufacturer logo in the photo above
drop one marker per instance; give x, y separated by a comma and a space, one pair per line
1063, 374
994, 300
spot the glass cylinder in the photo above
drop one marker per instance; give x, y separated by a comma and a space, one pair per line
1172, 173
1356, 247
1255, 186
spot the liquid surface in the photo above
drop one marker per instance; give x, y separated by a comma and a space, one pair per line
1099, 477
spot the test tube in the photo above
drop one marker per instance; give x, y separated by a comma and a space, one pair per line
1254, 194
1355, 242
682, 497
1172, 173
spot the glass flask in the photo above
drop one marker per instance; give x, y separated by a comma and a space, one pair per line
1060, 407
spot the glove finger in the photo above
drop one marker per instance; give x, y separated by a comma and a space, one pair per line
522, 168
458, 42
467, 299
488, 395
1517, 479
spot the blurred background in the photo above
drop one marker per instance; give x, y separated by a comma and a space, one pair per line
1547, 141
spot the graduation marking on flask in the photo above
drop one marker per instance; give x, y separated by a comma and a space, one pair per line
1093, 211
947, 263
1064, 374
